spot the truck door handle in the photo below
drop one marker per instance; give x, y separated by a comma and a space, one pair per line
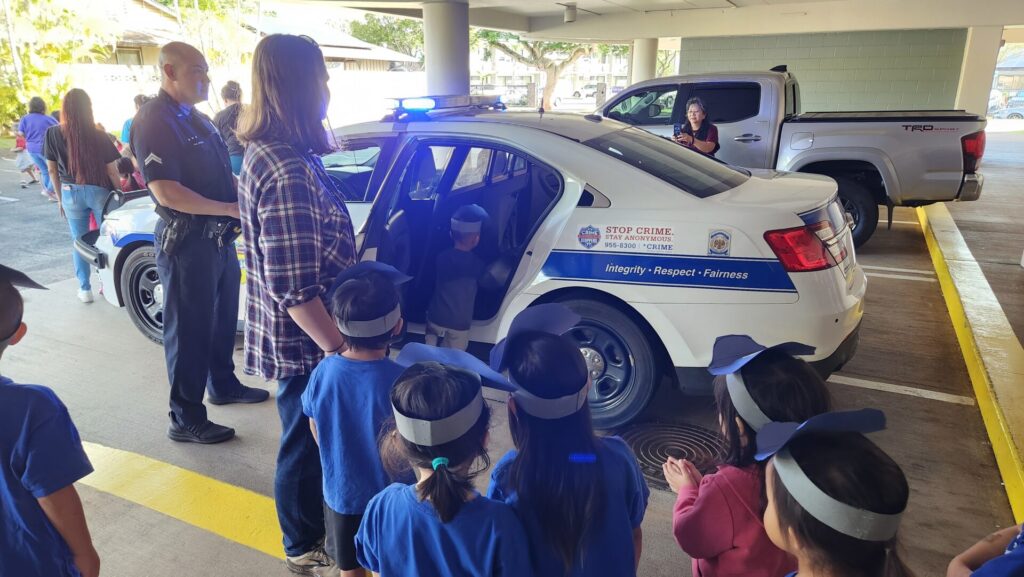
747, 138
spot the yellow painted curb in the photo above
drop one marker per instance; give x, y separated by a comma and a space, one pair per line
1007, 453
234, 513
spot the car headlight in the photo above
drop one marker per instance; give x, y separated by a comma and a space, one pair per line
109, 227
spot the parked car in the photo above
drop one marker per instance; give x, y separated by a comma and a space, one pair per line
1011, 113
908, 158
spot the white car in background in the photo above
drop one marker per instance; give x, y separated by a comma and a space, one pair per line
660, 249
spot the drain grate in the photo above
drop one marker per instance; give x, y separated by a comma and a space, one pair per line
654, 443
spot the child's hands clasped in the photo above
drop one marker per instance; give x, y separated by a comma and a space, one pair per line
681, 474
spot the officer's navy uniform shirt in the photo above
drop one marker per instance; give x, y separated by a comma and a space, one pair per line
610, 551
402, 536
40, 454
349, 400
172, 141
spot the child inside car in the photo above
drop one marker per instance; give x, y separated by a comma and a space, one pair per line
450, 313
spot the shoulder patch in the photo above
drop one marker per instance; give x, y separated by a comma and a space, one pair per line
153, 158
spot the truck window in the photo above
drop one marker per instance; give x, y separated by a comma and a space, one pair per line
729, 101
690, 171
791, 109
647, 107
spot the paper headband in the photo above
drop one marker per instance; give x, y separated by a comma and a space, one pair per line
467, 227
376, 326
846, 519
373, 327
469, 219
745, 405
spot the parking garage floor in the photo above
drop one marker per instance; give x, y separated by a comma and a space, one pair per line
113, 382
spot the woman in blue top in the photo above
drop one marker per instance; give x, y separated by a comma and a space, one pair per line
439, 527
33, 127
582, 498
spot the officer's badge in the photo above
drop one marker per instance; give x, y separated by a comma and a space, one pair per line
719, 243
152, 158
589, 236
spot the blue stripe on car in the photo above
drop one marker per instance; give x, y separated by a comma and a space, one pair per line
133, 237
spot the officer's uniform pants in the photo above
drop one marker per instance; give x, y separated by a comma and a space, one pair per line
200, 284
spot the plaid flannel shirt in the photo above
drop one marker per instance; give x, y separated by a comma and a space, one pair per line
297, 240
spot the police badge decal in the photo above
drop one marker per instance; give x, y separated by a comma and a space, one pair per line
589, 236
719, 243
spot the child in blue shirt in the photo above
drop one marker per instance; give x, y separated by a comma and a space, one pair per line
1001, 554
347, 401
439, 527
43, 532
582, 498
458, 271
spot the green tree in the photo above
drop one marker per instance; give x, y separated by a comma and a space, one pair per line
403, 35
667, 64
42, 38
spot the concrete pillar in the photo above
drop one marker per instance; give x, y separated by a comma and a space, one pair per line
978, 68
446, 46
645, 59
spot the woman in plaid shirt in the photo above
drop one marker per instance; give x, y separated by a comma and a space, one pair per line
298, 237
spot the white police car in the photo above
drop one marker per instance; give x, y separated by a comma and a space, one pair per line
660, 249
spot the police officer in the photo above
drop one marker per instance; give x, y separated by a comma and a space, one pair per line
186, 166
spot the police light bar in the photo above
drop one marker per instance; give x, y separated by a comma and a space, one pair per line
429, 103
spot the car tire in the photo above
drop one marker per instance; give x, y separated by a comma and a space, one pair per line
142, 293
858, 201
620, 358
1014, 116
575, 94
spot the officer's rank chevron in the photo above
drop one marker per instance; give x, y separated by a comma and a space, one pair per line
153, 158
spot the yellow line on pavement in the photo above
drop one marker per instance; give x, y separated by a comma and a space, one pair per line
234, 513
1008, 458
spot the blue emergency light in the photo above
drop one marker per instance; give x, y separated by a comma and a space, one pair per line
420, 105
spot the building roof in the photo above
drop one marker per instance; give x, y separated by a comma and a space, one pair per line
147, 23
1015, 62
336, 45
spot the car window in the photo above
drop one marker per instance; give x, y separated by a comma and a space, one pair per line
690, 171
422, 175
351, 168
474, 168
729, 101
647, 107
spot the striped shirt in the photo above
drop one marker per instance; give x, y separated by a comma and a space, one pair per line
297, 240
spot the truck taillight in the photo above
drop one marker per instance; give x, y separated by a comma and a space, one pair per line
973, 146
801, 249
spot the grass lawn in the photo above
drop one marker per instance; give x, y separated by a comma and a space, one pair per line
6, 143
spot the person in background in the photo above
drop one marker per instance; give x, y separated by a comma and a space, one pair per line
298, 239
126, 129
45, 532
227, 120
130, 177
697, 132
33, 127
83, 163
56, 115
1001, 554
24, 162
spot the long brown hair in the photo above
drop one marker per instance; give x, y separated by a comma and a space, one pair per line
287, 95
82, 138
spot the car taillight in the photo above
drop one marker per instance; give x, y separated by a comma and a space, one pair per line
973, 146
801, 249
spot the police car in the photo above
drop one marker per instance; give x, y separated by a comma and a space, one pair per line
658, 248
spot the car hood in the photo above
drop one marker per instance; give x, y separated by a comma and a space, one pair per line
132, 207
785, 191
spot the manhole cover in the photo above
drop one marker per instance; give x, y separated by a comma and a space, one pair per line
654, 443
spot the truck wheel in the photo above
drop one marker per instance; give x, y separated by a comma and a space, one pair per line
857, 201
620, 359
143, 294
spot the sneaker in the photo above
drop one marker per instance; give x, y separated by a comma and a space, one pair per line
246, 395
207, 433
316, 563
85, 296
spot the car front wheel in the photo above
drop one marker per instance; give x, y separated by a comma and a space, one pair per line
143, 293
620, 360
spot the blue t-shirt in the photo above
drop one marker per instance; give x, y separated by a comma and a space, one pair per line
610, 551
349, 401
1010, 564
34, 125
126, 131
40, 453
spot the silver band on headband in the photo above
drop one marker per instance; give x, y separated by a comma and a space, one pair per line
551, 409
848, 520
441, 431
744, 403
373, 327
466, 227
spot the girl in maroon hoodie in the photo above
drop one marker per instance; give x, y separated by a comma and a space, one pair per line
717, 518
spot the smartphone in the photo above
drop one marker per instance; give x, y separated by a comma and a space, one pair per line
677, 129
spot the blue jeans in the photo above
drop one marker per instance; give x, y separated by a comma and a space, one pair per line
40, 160
78, 201
298, 482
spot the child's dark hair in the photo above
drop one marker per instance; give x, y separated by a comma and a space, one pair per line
431, 391
125, 166
853, 470
231, 91
37, 105
565, 496
786, 389
361, 299
12, 307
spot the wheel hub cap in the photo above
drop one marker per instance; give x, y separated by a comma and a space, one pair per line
595, 362
158, 295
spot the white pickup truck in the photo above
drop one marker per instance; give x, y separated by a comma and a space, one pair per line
892, 158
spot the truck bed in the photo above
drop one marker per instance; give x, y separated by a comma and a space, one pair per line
887, 116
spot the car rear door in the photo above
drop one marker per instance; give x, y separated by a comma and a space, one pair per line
744, 112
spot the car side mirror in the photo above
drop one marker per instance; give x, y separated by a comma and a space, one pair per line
653, 111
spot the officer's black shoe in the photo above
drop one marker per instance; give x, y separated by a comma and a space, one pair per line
244, 395
207, 433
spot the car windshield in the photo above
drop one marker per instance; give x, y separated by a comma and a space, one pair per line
690, 171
